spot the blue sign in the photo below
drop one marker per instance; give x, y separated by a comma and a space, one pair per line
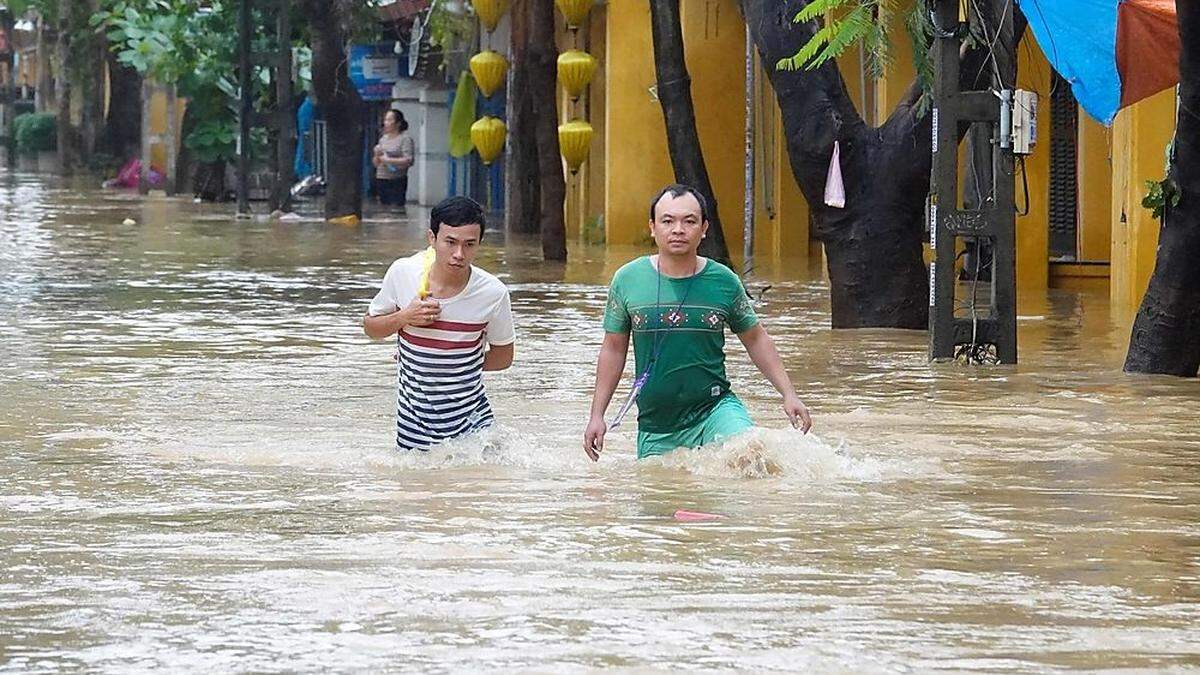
374, 69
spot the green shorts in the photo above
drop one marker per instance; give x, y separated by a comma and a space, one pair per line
728, 418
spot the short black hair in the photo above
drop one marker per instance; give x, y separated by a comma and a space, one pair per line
401, 123
457, 211
679, 190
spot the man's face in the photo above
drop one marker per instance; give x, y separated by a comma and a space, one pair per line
455, 247
678, 224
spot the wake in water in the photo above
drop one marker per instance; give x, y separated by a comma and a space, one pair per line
778, 454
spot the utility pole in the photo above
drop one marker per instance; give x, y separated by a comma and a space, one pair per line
245, 110
981, 332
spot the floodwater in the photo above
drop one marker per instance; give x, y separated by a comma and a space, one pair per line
196, 473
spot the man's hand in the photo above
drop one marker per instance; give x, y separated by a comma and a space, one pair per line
422, 312
797, 412
593, 437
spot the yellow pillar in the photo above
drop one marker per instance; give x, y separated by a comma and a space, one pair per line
1140, 137
1033, 229
585, 190
639, 147
1095, 190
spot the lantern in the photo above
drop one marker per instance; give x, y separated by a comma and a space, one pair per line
489, 68
575, 11
575, 141
488, 133
575, 69
489, 12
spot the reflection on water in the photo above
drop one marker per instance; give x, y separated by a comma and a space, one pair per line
196, 472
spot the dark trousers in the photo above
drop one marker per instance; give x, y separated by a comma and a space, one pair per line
393, 191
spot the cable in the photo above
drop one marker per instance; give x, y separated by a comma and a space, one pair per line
1025, 184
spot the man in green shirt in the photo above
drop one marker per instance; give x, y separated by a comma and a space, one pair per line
676, 305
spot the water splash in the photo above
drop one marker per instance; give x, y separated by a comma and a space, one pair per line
781, 454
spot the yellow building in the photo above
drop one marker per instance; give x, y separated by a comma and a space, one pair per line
1084, 226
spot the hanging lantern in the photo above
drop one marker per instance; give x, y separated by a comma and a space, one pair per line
575, 141
489, 69
489, 12
575, 11
488, 133
575, 69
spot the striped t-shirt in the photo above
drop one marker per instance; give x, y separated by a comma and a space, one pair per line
440, 366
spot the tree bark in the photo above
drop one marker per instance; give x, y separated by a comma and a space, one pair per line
877, 273
122, 135
679, 115
92, 77
522, 201
67, 147
339, 104
285, 130
44, 89
1166, 333
552, 187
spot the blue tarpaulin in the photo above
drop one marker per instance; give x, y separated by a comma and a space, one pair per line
1079, 37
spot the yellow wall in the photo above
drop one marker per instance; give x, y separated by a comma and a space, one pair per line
1033, 230
1095, 190
714, 45
890, 88
1140, 137
638, 143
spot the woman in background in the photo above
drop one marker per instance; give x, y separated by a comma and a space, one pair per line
392, 157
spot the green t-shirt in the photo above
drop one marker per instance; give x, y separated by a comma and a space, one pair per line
689, 376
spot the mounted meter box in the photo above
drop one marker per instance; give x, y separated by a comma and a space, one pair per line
1024, 121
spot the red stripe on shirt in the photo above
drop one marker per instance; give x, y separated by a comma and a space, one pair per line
456, 325
434, 343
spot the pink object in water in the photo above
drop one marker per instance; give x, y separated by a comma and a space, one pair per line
695, 516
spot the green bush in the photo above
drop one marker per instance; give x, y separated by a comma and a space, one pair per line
36, 132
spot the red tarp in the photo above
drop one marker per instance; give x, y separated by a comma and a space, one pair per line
1147, 48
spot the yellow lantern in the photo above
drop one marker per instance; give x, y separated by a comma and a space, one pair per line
575, 69
489, 69
574, 141
575, 11
488, 133
489, 12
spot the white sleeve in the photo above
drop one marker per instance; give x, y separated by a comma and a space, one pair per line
500, 331
389, 299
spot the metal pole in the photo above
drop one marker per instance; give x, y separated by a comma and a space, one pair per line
245, 110
287, 114
748, 199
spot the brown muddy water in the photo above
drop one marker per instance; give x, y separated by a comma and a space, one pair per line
197, 473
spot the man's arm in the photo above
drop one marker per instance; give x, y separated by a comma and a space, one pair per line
418, 313
609, 367
761, 349
498, 357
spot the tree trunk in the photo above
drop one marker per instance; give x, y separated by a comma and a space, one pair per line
43, 97
1166, 332
339, 103
67, 147
877, 273
285, 131
92, 77
187, 169
122, 135
679, 114
544, 85
522, 201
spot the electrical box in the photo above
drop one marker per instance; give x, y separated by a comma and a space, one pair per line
1024, 121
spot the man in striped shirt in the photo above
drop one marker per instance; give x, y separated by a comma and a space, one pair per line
448, 338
